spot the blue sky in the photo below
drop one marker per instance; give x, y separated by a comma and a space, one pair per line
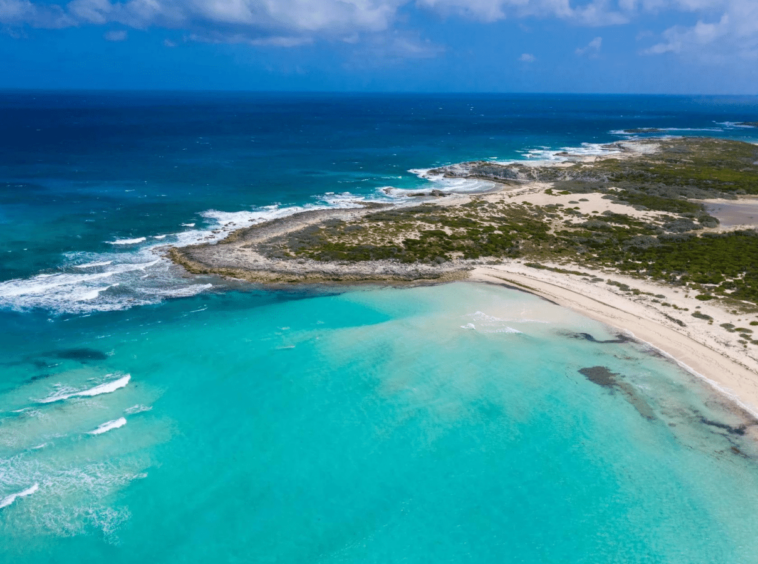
605, 46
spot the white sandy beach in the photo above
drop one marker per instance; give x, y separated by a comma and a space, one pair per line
707, 350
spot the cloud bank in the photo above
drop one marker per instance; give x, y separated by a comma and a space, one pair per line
723, 27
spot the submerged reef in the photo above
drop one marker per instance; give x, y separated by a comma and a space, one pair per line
611, 381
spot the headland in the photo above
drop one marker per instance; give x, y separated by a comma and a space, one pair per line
631, 237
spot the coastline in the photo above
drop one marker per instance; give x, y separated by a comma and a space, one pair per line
432, 237
697, 350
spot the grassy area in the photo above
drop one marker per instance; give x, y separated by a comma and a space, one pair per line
425, 233
670, 247
711, 165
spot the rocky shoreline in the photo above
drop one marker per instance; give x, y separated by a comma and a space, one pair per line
636, 196
253, 254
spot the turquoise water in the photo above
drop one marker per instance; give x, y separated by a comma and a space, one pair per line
438, 424
147, 416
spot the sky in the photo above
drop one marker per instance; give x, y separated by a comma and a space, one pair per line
567, 46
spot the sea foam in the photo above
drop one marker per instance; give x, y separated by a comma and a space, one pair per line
94, 264
135, 241
108, 426
105, 388
8, 500
138, 274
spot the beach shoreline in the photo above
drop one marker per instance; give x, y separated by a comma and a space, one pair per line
731, 373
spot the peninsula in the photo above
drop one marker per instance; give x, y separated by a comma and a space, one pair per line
656, 237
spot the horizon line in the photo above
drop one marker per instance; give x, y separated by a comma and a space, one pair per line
361, 92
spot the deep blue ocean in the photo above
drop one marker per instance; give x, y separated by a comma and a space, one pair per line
150, 416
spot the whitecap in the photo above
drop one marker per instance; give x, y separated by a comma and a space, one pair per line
6, 501
734, 125
93, 294
108, 426
441, 182
140, 276
105, 388
139, 408
181, 292
94, 264
134, 241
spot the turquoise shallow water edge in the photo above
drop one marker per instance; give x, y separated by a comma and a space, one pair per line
432, 424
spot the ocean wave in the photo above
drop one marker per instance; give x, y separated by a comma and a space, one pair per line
108, 426
139, 408
181, 292
735, 125
77, 498
73, 291
444, 184
486, 323
543, 155
104, 388
633, 132
8, 500
135, 241
94, 264
140, 274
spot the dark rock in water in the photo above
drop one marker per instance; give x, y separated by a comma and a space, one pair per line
600, 375
39, 377
81, 355
739, 431
620, 338
605, 378
438, 193
749, 123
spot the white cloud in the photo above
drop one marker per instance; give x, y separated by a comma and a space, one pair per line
595, 12
724, 27
24, 12
732, 32
527, 58
116, 35
258, 16
592, 49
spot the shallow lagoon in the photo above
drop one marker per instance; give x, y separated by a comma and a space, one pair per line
446, 424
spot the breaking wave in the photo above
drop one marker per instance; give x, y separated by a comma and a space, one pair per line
138, 273
108, 426
135, 241
105, 388
8, 500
